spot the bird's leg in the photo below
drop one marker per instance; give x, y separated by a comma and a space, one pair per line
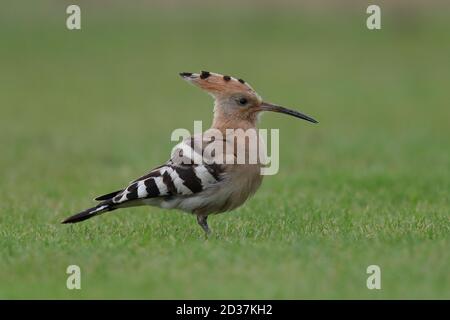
202, 221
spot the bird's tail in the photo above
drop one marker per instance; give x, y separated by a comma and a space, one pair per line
91, 212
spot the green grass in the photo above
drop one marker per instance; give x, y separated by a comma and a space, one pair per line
82, 113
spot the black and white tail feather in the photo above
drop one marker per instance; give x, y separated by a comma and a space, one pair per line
91, 212
178, 179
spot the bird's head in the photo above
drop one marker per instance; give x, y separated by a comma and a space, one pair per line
234, 98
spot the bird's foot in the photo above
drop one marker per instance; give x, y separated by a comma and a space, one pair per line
203, 222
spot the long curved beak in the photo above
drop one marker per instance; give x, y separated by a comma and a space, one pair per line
266, 106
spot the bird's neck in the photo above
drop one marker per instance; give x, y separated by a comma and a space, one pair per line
223, 121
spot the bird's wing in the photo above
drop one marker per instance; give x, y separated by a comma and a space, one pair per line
180, 176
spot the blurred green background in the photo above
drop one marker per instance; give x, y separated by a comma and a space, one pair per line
84, 112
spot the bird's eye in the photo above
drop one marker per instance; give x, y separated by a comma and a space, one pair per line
243, 101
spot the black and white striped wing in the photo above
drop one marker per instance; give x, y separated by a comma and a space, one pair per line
180, 176
170, 180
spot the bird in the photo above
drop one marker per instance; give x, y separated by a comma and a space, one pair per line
192, 180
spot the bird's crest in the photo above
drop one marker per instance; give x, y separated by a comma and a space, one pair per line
217, 84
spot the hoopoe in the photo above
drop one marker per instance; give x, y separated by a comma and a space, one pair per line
205, 186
